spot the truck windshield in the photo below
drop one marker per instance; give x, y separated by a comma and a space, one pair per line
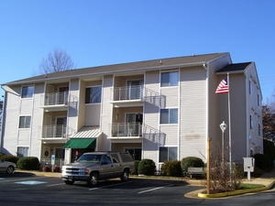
89, 158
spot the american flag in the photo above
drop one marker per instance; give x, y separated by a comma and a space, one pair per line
223, 87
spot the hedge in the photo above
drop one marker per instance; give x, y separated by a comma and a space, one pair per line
146, 167
172, 168
28, 163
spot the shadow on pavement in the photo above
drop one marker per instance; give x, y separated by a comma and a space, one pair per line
17, 174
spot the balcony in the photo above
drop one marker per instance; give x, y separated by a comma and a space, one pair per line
54, 131
128, 96
132, 96
57, 101
126, 131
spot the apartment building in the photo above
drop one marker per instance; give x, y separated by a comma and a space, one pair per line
161, 109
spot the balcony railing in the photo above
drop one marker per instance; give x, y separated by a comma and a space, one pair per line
128, 93
126, 130
54, 131
57, 98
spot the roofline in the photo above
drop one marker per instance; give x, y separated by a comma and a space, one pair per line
114, 72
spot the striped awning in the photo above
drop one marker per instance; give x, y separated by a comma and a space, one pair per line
85, 138
87, 132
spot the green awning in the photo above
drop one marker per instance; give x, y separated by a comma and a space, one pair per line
81, 143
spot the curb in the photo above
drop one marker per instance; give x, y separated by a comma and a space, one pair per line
236, 192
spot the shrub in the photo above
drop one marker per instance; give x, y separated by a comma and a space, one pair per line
172, 168
146, 167
28, 163
9, 158
191, 162
135, 171
263, 162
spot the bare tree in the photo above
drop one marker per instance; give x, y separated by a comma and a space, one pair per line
56, 61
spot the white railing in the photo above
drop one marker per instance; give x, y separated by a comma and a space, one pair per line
128, 93
56, 98
54, 131
126, 130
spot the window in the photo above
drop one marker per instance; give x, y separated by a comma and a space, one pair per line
168, 116
250, 87
93, 95
167, 153
27, 91
22, 151
259, 130
250, 122
169, 79
24, 122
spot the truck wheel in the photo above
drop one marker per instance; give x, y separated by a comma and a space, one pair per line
125, 175
93, 179
10, 170
69, 182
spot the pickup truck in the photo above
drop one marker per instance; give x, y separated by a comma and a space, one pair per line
94, 166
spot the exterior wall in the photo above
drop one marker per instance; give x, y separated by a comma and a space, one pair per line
92, 114
37, 121
214, 101
72, 121
193, 112
238, 117
254, 108
200, 111
151, 116
12, 120
106, 113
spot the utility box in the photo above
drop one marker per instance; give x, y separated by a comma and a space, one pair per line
248, 165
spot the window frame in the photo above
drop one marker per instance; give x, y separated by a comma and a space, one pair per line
26, 92
90, 93
169, 117
25, 153
168, 153
169, 83
24, 122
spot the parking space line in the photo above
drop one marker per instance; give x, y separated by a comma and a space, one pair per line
96, 188
150, 190
53, 185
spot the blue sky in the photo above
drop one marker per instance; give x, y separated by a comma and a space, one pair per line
99, 32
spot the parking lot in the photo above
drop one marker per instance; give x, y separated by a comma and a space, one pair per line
27, 189
23, 189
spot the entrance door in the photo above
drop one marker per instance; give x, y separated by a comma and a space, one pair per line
134, 89
135, 153
61, 123
62, 95
133, 124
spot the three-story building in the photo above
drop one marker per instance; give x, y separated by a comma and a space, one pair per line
162, 109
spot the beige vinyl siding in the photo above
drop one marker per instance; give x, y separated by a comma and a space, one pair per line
171, 132
193, 112
92, 114
82, 108
151, 116
37, 121
106, 113
12, 120
171, 96
24, 137
238, 116
73, 109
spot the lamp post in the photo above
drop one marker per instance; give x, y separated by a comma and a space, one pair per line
223, 127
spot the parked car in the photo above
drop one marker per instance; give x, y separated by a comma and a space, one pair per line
94, 166
7, 167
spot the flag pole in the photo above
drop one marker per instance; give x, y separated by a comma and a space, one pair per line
229, 128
